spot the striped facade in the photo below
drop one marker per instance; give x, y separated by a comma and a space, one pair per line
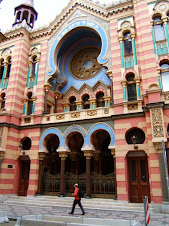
49, 93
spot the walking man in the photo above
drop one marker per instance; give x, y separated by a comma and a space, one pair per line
77, 200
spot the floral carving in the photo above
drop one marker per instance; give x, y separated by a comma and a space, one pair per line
59, 117
75, 115
157, 123
92, 113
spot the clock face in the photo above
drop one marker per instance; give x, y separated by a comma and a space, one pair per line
84, 64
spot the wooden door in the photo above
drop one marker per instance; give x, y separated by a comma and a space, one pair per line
138, 179
24, 177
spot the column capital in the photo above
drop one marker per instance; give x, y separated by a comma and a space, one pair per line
46, 87
57, 94
63, 155
110, 74
88, 154
42, 154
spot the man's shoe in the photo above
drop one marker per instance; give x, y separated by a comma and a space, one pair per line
83, 213
70, 213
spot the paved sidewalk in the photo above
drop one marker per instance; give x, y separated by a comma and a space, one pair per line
14, 211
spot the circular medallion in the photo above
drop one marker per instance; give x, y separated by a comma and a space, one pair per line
84, 64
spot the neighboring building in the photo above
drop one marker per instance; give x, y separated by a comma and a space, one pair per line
86, 100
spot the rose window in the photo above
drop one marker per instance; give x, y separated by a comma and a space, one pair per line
84, 64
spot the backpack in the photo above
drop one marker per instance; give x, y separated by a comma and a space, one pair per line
80, 194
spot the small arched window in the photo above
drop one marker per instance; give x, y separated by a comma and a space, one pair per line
25, 16
18, 17
8, 68
34, 66
29, 104
3, 100
158, 28
165, 76
1, 68
86, 103
72, 103
127, 44
100, 99
131, 87
32, 20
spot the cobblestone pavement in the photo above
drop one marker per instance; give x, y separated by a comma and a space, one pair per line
14, 211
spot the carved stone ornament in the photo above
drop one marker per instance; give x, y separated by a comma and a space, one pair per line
6, 53
92, 113
88, 154
166, 96
42, 155
157, 123
106, 111
162, 6
60, 117
132, 106
158, 145
75, 115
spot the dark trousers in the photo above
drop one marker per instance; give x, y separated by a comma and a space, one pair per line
80, 205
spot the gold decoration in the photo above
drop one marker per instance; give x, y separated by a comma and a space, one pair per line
132, 106
27, 120
75, 115
60, 117
166, 96
157, 123
92, 113
106, 111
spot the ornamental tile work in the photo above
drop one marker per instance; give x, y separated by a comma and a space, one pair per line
157, 122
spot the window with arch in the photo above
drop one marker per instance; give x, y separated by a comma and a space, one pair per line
29, 103
18, 17
2, 101
1, 69
8, 68
131, 87
34, 66
158, 28
72, 103
25, 15
165, 76
127, 43
86, 103
32, 20
100, 99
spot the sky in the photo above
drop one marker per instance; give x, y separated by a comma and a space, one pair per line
47, 11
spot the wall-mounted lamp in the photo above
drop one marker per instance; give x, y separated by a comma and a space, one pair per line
134, 140
21, 149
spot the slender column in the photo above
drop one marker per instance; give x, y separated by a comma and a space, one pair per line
42, 156
109, 73
88, 155
24, 107
37, 71
28, 76
134, 51
124, 90
152, 32
122, 52
115, 181
33, 107
46, 98
138, 88
166, 30
56, 94
63, 157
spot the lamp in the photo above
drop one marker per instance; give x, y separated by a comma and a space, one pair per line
134, 140
21, 148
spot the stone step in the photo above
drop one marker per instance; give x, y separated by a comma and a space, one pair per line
94, 203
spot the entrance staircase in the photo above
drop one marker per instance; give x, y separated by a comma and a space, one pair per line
62, 202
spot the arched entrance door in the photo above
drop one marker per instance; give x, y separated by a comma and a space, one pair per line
51, 167
75, 163
139, 186
24, 162
103, 166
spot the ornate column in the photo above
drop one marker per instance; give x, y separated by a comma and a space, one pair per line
134, 49
29, 70
138, 88
4, 74
56, 94
92, 103
46, 87
63, 156
124, 90
121, 51
88, 154
42, 156
37, 71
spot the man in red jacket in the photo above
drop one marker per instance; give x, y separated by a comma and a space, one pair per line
77, 200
